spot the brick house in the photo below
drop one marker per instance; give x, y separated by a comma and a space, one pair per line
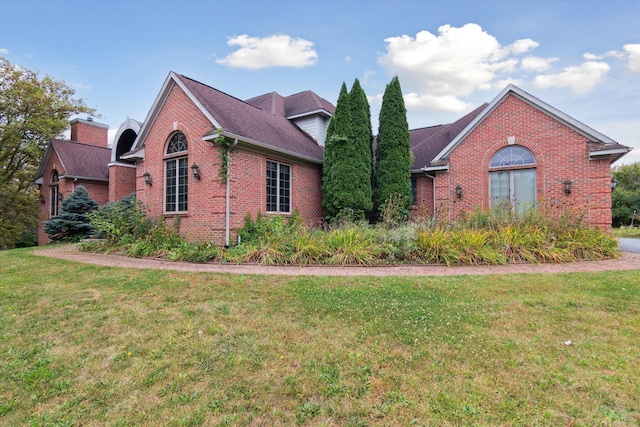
274, 165
514, 151
81, 161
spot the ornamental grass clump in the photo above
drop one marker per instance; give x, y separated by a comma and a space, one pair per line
351, 246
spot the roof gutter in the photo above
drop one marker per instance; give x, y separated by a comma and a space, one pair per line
84, 178
439, 168
433, 186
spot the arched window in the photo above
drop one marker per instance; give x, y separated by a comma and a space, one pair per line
54, 190
512, 178
176, 174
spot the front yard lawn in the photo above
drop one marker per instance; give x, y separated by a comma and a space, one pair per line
89, 345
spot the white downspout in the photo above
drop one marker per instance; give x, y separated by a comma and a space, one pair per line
227, 210
433, 186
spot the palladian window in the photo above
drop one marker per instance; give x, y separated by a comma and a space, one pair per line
512, 178
176, 172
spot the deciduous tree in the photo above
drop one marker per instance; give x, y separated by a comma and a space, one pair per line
32, 111
626, 196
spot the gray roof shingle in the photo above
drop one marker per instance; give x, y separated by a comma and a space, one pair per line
82, 160
265, 126
427, 142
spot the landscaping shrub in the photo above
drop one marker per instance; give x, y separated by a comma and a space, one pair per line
480, 238
123, 221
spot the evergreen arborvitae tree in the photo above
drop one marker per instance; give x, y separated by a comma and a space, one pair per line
72, 223
337, 159
362, 138
392, 171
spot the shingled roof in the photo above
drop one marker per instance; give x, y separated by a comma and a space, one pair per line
427, 142
251, 124
78, 160
292, 106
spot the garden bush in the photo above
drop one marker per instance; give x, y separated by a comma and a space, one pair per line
123, 221
480, 238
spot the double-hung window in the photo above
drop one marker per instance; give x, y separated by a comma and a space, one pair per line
512, 178
176, 173
278, 187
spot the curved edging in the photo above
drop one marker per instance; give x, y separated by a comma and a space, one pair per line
628, 261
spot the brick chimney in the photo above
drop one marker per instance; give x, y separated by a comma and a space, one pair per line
89, 132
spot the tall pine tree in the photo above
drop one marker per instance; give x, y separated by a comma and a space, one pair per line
392, 170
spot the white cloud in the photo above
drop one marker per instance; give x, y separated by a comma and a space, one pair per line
443, 68
432, 103
592, 56
581, 79
537, 64
522, 46
4, 51
634, 57
500, 84
278, 50
610, 54
111, 135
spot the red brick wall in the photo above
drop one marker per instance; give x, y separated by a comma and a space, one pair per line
122, 181
560, 154
424, 193
205, 220
98, 191
88, 132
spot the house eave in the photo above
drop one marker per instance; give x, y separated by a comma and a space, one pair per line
613, 154
134, 155
118, 163
437, 168
83, 178
320, 111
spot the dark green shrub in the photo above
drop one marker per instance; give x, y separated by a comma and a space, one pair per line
268, 225
123, 221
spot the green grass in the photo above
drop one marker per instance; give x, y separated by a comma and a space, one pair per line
89, 345
628, 232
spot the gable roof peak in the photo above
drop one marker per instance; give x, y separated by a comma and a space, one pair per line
511, 89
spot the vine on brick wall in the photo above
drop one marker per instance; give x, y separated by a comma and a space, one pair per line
226, 146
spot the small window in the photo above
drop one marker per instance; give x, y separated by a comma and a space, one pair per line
54, 189
414, 191
177, 144
176, 172
278, 187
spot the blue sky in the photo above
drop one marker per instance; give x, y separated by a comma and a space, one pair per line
582, 57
